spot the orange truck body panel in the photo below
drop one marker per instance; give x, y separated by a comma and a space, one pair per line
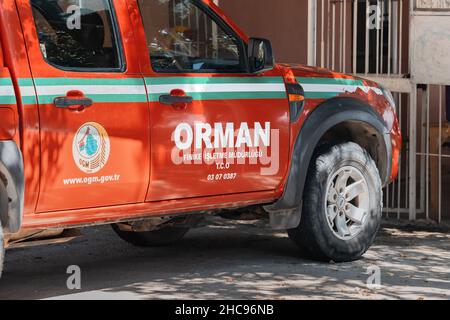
134, 176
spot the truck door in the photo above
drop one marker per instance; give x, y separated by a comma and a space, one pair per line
215, 129
93, 110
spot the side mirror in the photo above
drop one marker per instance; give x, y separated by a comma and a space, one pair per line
260, 55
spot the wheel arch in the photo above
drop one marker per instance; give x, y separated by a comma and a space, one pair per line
11, 186
338, 119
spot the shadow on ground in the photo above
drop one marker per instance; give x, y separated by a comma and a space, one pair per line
229, 261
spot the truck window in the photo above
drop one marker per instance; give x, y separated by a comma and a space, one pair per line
77, 34
182, 37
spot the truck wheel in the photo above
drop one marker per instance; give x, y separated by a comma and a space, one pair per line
159, 238
3, 214
2, 249
342, 205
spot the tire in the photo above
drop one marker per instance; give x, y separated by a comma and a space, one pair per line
2, 249
159, 238
334, 225
3, 215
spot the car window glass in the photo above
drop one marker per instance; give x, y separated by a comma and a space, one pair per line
181, 37
76, 33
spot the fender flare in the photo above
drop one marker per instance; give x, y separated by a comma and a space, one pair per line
286, 212
13, 182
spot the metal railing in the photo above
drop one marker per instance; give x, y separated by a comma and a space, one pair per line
369, 38
358, 36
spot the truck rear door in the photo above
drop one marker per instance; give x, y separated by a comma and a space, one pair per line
215, 129
93, 109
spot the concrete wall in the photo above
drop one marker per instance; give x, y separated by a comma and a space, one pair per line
283, 22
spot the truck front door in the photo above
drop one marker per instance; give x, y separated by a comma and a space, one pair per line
215, 129
93, 107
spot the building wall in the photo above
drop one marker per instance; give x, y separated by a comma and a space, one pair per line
283, 22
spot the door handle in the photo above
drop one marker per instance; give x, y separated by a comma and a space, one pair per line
73, 101
170, 100
177, 99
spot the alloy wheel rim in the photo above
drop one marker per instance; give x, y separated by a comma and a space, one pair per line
347, 202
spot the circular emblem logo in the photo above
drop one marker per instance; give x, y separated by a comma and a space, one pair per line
91, 147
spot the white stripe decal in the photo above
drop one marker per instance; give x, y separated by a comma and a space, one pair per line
27, 91
232, 87
7, 91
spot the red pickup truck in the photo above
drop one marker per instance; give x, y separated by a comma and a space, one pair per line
150, 115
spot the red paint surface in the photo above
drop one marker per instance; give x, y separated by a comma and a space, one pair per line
8, 124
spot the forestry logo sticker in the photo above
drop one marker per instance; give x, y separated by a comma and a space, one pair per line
91, 147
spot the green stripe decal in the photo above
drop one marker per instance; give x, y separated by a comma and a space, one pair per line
29, 100
5, 82
7, 100
26, 82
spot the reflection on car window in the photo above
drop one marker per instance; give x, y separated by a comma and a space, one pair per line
183, 38
76, 34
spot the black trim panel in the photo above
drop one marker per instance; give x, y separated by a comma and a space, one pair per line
296, 107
